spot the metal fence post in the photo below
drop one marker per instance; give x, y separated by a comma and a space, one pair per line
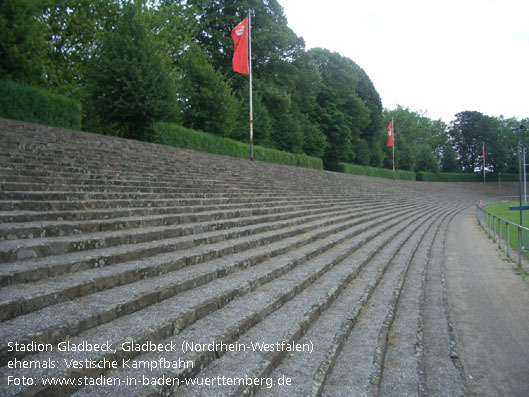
495, 234
519, 245
499, 239
508, 241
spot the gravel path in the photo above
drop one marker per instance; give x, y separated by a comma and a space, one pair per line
489, 307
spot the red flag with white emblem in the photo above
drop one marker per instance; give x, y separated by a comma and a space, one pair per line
390, 134
239, 34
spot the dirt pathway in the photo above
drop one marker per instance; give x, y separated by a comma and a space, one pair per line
489, 306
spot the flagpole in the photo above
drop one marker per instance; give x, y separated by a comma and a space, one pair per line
250, 73
393, 146
483, 157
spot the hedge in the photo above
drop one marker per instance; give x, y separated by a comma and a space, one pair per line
176, 135
376, 172
27, 103
463, 177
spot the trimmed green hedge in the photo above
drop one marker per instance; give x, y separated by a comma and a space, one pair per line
176, 135
463, 177
376, 172
26, 103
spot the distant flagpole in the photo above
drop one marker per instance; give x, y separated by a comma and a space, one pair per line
393, 146
391, 142
250, 73
242, 61
483, 157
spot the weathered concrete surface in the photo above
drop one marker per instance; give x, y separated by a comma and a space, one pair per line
490, 311
104, 240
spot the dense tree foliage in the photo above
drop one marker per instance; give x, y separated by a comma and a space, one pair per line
130, 83
472, 130
23, 41
131, 62
419, 141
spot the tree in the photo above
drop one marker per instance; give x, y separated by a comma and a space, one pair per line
425, 160
286, 130
361, 151
23, 46
262, 121
130, 83
449, 162
374, 129
467, 139
273, 42
314, 140
419, 140
340, 113
334, 126
208, 103
72, 31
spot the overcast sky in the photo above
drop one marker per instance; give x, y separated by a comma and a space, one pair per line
438, 56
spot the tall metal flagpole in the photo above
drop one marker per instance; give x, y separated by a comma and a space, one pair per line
483, 158
393, 146
250, 73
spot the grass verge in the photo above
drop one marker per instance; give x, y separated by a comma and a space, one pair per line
502, 210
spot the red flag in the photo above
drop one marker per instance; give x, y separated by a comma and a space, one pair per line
390, 134
239, 34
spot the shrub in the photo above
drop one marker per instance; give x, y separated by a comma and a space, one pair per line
463, 177
176, 135
376, 172
27, 103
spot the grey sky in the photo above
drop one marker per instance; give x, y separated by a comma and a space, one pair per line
441, 57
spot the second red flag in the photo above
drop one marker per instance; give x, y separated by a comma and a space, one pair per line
390, 134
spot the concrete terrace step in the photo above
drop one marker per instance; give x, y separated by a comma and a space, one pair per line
177, 236
217, 307
372, 355
180, 282
284, 321
70, 182
18, 272
14, 177
180, 200
186, 207
85, 196
74, 286
440, 369
36, 225
53, 266
400, 368
119, 233
304, 325
109, 240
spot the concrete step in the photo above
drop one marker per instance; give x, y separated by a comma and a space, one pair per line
180, 200
160, 288
186, 207
173, 237
28, 297
292, 328
32, 270
110, 240
46, 229
285, 321
362, 352
441, 369
243, 238
246, 314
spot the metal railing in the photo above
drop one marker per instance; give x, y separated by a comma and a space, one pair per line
492, 224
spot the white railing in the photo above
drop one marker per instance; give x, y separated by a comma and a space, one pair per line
493, 226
